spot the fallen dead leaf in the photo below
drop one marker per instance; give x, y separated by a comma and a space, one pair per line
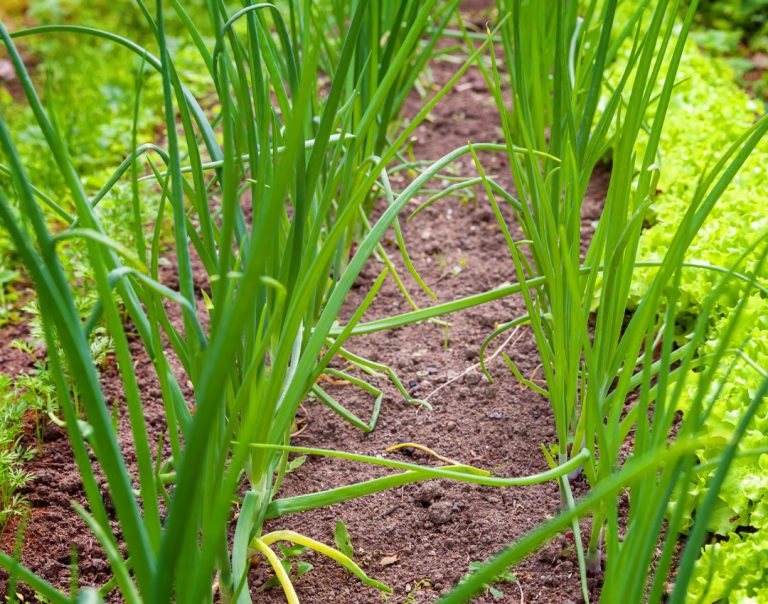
388, 560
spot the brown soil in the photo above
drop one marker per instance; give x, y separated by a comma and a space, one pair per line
430, 532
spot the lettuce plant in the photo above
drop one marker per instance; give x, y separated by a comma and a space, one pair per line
707, 114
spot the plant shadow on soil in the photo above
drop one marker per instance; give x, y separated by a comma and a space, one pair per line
419, 539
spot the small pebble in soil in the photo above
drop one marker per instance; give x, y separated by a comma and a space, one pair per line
472, 378
545, 556
450, 426
441, 512
496, 414
487, 321
428, 494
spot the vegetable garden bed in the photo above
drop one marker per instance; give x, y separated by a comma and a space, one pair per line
590, 369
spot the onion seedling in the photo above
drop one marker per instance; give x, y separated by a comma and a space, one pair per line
552, 99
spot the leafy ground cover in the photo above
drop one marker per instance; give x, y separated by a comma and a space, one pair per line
709, 112
90, 90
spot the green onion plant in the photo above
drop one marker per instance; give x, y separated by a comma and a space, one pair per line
641, 566
611, 364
